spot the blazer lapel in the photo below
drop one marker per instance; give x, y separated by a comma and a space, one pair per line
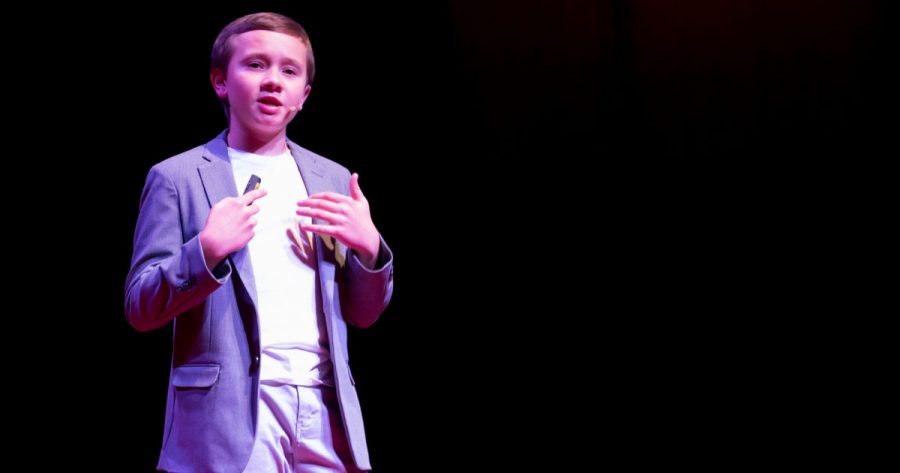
218, 182
316, 180
310, 169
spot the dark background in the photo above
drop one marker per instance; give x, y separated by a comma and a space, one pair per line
564, 185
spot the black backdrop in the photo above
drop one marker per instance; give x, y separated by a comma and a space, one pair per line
550, 175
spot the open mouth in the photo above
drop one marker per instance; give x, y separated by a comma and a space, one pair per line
270, 101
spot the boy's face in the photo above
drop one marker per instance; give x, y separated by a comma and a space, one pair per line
266, 77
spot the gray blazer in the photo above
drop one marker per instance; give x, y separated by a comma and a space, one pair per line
211, 410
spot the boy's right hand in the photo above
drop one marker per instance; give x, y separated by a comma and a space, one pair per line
229, 226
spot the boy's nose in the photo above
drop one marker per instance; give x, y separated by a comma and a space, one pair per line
272, 82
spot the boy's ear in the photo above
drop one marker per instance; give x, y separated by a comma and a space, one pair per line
306, 93
303, 99
218, 82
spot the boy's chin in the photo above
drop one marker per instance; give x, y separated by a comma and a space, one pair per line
270, 124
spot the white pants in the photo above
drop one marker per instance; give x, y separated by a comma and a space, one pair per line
299, 431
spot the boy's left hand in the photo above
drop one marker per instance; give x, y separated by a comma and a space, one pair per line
348, 217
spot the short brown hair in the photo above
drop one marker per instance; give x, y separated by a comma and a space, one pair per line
222, 49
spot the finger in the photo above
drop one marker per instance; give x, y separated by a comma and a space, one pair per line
320, 204
325, 230
251, 196
355, 192
330, 196
317, 213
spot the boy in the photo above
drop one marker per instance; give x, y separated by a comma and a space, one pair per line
260, 379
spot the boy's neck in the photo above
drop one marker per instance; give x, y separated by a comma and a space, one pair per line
271, 147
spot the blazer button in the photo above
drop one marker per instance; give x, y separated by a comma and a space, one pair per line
256, 360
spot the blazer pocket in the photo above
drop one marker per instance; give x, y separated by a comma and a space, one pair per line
195, 376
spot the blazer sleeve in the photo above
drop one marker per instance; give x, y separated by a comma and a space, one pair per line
168, 275
367, 291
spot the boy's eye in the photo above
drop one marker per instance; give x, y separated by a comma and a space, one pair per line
255, 65
290, 72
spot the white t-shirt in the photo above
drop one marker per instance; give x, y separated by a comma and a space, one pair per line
292, 333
